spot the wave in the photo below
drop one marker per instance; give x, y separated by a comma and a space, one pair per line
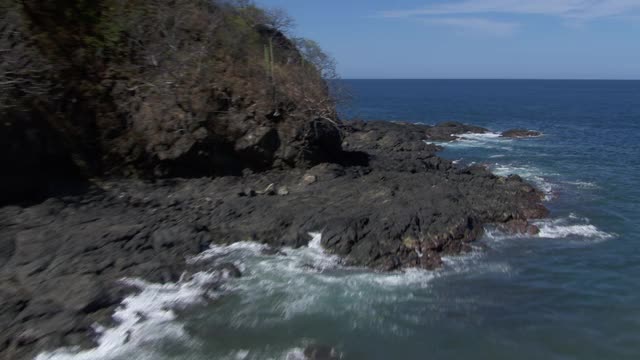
470, 140
308, 280
583, 184
479, 136
564, 228
143, 319
537, 176
474, 263
572, 227
293, 282
277, 288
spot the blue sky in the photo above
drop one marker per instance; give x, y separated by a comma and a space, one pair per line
548, 39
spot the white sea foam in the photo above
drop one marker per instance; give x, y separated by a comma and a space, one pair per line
486, 140
470, 140
475, 263
562, 228
295, 354
307, 280
143, 319
537, 176
572, 227
496, 236
583, 184
482, 136
273, 289
304, 281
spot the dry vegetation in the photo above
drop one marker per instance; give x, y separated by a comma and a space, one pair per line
157, 46
135, 82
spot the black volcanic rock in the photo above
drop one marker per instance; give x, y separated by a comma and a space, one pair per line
446, 131
388, 202
520, 133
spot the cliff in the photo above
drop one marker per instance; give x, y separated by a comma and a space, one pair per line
151, 90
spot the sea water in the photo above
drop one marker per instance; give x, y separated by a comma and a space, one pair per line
572, 292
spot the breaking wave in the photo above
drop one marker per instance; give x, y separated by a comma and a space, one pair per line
273, 288
282, 288
144, 318
572, 227
537, 176
486, 140
583, 184
567, 228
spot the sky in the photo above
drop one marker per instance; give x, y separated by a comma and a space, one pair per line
496, 39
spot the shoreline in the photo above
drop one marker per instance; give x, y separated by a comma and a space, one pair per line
393, 204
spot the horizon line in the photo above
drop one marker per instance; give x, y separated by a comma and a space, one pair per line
501, 79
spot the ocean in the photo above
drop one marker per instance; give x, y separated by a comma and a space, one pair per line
572, 292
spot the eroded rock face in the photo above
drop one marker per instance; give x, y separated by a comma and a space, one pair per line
520, 133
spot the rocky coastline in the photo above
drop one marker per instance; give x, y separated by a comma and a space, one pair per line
134, 135
386, 202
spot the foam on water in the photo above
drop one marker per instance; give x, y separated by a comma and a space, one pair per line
474, 263
572, 227
583, 184
275, 289
143, 319
306, 280
486, 140
537, 176
480, 136
568, 228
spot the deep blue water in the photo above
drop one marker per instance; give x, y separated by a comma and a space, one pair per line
573, 292
573, 297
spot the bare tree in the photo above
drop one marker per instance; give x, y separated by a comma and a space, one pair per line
313, 54
279, 19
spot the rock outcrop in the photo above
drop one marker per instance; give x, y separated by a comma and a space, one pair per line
389, 203
520, 133
151, 138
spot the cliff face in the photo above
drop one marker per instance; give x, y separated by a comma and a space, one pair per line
136, 88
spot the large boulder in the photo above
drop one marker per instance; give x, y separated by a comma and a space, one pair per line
520, 133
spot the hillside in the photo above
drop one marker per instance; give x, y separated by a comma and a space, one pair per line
147, 89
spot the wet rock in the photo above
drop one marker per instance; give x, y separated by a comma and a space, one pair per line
519, 226
520, 133
390, 204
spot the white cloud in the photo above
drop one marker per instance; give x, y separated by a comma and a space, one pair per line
499, 28
569, 9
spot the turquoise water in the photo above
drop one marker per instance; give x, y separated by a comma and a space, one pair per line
571, 293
